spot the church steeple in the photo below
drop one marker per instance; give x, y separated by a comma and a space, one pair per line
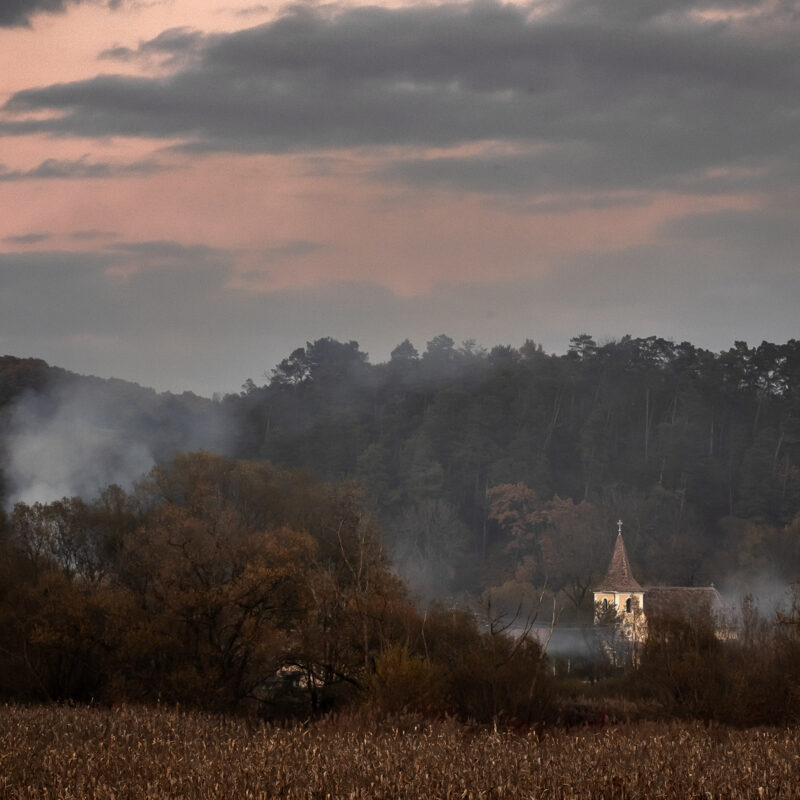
619, 577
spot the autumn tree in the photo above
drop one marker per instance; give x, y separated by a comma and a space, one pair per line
682, 661
574, 536
222, 584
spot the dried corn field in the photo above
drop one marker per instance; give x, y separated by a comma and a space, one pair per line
49, 752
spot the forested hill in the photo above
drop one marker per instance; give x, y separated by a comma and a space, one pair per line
489, 465
483, 465
64, 434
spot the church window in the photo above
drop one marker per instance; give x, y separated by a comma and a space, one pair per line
605, 604
628, 605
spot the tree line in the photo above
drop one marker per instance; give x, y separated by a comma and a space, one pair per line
236, 586
698, 452
485, 466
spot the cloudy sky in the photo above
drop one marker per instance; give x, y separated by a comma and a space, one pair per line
192, 188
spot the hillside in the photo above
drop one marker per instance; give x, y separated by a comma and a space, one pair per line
67, 434
488, 465
698, 453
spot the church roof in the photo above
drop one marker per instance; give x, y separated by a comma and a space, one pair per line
681, 599
619, 577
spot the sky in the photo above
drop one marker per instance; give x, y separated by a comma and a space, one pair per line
191, 189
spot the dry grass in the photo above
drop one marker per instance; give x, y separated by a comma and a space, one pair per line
50, 752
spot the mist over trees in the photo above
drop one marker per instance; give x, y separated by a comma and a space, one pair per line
63, 434
235, 586
697, 452
295, 563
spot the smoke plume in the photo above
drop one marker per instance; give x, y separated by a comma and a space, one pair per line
82, 434
68, 444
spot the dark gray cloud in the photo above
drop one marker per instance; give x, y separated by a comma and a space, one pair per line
764, 243
27, 238
39, 237
571, 168
272, 259
739, 229
77, 310
129, 288
171, 48
76, 303
611, 12
80, 169
618, 95
18, 13
249, 11
92, 234
290, 250
547, 107
167, 254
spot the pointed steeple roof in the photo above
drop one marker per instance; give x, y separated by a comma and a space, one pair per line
619, 577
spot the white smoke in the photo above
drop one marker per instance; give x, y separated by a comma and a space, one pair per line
67, 443
767, 592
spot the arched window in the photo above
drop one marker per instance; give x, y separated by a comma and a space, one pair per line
628, 605
605, 604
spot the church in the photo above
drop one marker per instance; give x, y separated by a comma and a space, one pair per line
620, 592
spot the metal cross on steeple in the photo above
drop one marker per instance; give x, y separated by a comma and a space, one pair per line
619, 527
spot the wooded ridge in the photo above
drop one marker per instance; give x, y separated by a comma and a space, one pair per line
482, 465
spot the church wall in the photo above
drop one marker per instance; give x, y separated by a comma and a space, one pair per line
619, 601
633, 624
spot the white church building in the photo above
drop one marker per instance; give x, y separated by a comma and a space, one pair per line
620, 593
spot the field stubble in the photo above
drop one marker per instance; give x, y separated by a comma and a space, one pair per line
129, 752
